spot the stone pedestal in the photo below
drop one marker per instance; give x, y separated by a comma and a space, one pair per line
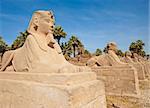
145, 93
140, 70
119, 80
44, 90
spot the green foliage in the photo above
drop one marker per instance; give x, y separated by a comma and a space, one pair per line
142, 53
3, 45
20, 40
105, 50
137, 47
98, 52
65, 49
75, 45
59, 33
120, 53
86, 52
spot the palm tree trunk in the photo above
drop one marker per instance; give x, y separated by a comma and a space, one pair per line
74, 51
58, 39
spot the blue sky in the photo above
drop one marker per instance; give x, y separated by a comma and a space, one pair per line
94, 22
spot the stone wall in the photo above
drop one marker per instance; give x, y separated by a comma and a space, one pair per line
140, 70
119, 80
145, 93
123, 102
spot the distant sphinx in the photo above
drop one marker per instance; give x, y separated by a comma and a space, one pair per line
127, 58
40, 52
120, 78
132, 58
108, 59
142, 65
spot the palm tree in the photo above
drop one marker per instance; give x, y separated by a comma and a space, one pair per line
120, 53
66, 49
137, 47
20, 40
75, 45
59, 33
98, 52
86, 52
3, 45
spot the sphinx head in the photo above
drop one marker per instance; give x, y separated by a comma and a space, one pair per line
135, 55
128, 54
41, 21
112, 46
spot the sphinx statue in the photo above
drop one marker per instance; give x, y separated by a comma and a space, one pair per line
37, 75
145, 63
127, 58
40, 52
138, 58
108, 59
141, 65
132, 57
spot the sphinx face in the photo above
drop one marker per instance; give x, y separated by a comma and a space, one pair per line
46, 25
128, 54
112, 47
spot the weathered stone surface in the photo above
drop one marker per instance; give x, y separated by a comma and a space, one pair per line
53, 78
140, 70
114, 101
141, 65
38, 76
108, 59
40, 52
146, 66
145, 93
119, 81
144, 62
27, 92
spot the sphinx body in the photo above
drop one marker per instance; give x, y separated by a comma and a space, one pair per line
145, 64
141, 65
41, 76
127, 58
108, 59
40, 52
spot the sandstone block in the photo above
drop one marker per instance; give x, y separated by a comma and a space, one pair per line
119, 80
75, 90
